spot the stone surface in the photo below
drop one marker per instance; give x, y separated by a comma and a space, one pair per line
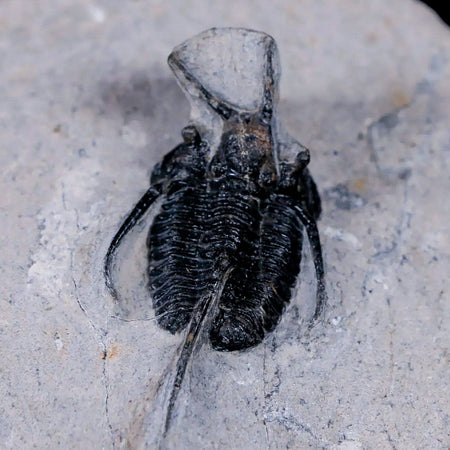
88, 105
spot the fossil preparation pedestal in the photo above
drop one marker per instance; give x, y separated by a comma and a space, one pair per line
88, 106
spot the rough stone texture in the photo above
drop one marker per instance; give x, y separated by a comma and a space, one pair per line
88, 105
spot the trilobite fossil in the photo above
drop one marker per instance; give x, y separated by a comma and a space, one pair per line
224, 251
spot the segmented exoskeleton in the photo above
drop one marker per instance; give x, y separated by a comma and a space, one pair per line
224, 252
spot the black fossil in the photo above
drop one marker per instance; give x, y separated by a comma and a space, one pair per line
225, 249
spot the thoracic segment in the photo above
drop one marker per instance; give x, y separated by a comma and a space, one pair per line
226, 223
176, 272
237, 323
263, 275
280, 255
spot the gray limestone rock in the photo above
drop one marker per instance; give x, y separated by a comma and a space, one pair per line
88, 106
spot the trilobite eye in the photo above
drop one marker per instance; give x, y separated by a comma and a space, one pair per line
190, 135
302, 159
